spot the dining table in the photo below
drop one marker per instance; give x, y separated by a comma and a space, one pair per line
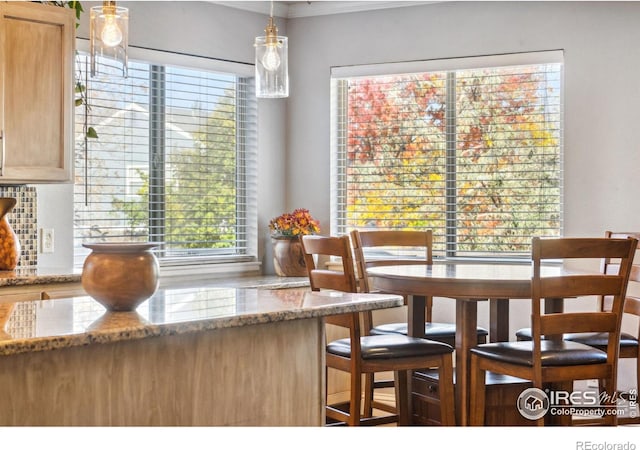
467, 284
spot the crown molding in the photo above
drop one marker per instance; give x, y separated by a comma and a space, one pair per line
296, 9
324, 8
280, 9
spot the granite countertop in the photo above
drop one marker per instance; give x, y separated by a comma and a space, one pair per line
28, 276
25, 276
43, 325
240, 281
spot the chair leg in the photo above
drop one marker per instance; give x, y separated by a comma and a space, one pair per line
477, 390
634, 417
403, 400
447, 395
601, 386
429, 309
605, 387
611, 390
355, 398
567, 386
538, 384
368, 394
326, 391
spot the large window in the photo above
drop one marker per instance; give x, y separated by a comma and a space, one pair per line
173, 163
473, 153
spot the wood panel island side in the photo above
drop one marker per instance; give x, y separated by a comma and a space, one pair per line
193, 356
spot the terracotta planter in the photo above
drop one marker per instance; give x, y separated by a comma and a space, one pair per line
288, 257
120, 276
9, 243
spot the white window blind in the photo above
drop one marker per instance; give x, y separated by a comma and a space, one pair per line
475, 154
174, 162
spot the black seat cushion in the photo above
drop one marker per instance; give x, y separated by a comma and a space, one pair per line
598, 340
390, 346
524, 334
554, 353
432, 330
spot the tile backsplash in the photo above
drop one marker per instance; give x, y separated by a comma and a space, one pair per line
23, 220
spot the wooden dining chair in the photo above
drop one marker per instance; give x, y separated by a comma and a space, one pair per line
361, 354
548, 358
629, 346
398, 247
402, 243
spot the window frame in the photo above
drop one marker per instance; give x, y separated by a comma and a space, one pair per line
246, 152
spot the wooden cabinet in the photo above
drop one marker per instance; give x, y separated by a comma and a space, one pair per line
501, 399
37, 47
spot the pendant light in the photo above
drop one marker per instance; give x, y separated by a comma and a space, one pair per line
272, 73
109, 37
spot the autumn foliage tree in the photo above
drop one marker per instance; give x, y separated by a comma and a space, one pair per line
395, 150
490, 136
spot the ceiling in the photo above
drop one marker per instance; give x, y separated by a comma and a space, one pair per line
290, 9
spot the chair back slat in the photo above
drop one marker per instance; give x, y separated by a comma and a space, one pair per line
558, 323
623, 235
582, 248
395, 262
399, 238
580, 285
348, 320
632, 305
330, 279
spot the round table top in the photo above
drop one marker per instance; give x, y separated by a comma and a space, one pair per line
459, 279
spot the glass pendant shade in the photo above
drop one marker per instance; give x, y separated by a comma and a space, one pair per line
272, 71
109, 39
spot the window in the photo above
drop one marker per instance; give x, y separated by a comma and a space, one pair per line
173, 163
472, 152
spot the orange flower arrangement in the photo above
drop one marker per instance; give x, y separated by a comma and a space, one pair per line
294, 224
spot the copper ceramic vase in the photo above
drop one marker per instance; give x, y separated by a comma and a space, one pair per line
120, 276
9, 243
288, 257
111, 320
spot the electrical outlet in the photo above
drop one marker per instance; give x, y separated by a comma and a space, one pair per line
46, 240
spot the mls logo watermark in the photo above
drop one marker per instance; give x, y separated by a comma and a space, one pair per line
534, 403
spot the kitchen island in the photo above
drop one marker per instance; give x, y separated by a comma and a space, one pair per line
193, 356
